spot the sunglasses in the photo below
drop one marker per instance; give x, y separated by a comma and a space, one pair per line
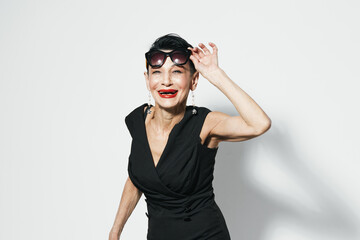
156, 58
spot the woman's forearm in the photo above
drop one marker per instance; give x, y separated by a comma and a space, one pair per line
129, 199
248, 109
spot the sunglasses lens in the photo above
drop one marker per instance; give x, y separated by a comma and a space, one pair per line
156, 59
179, 57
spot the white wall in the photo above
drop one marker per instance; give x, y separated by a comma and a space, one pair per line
70, 71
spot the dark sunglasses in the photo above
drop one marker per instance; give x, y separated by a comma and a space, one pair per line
156, 58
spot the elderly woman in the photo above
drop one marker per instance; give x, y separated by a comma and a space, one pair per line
174, 145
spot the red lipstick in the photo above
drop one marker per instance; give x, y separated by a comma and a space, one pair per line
167, 93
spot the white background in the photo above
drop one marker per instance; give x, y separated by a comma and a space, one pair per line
70, 71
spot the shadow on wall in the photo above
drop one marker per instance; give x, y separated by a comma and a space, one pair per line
250, 210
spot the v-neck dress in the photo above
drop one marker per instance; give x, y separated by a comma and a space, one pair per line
179, 193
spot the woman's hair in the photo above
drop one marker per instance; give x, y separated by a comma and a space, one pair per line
171, 41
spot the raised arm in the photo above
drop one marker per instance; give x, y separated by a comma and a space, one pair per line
129, 199
252, 121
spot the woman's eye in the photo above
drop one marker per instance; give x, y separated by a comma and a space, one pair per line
177, 71
156, 72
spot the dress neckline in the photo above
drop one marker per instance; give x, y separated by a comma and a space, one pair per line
169, 136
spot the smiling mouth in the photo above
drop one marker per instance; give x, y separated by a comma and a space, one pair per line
168, 92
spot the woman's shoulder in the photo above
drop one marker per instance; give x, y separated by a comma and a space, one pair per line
201, 110
136, 113
140, 110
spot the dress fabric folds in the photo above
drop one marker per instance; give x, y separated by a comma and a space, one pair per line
178, 190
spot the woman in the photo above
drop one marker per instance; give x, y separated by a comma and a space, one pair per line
174, 145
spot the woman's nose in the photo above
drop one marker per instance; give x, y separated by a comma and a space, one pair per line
167, 75
167, 79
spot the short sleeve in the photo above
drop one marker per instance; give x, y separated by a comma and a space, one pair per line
133, 120
202, 113
130, 124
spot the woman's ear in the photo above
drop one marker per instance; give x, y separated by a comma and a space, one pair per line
194, 80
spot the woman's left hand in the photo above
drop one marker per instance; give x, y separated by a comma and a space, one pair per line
204, 61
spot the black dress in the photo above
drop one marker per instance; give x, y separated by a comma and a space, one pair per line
179, 194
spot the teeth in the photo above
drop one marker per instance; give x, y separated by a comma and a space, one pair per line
168, 92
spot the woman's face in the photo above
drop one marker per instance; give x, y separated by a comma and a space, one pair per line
170, 77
